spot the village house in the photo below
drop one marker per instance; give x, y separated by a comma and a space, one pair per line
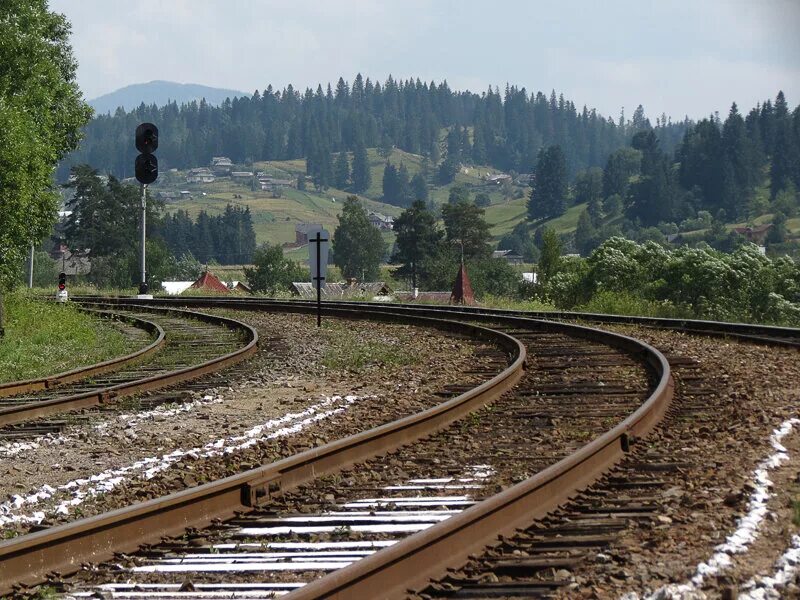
757, 234
301, 231
270, 183
221, 165
508, 256
497, 178
241, 175
380, 221
200, 175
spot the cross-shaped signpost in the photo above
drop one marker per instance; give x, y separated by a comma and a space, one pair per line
318, 245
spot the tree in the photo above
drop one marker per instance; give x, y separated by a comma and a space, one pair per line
390, 183
357, 246
548, 197
41, 115
620, 167
483, 200
458, 193
419, 188
418, 241
466, 228
589, 187
584, 233
551, 254
341, 171
404, 194
362, 178
272, 271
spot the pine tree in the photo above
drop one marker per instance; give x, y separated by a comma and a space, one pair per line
466, 228
405, 195
357, 246
548, 197
342, 171
362, 178
418, 242
584, 233
390, 184
419, 188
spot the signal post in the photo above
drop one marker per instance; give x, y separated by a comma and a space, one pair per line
146, 168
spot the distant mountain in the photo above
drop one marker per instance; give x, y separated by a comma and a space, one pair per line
160, 92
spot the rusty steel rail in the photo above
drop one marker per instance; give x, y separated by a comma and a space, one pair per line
29, 558
412, 562
764, 334
24, 412
14, 388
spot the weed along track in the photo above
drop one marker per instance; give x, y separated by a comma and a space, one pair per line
557, 457
187, 345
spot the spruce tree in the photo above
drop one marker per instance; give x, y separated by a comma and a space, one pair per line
405, 195
362, 178
418, 242
390, 184
357, 246
419, 188
548, 197
342, 171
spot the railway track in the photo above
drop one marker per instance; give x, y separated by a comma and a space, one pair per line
187, 345
584, 479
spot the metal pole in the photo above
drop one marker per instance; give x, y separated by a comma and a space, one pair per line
30, 269
319, 280
143, 282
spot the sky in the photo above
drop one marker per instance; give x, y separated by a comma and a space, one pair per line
678, 57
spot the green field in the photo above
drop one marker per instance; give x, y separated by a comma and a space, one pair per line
274, 219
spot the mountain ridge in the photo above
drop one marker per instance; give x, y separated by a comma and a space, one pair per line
159, 92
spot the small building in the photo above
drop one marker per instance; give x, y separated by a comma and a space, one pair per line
301, 232
209, 283
497, 178
380, 221
175, 288
757, 234
221, 165
200, 175
186, 195
238, 286
270, 183
342, 291
241, 175
508, 256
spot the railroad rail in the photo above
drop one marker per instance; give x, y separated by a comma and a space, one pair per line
64, 548
14, 388
84, 388
764, 334
412, 562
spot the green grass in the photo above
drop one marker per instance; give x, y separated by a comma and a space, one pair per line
45, 338
502, 217
346, 349
274, 218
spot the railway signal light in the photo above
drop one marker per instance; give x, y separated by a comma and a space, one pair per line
146, 166
62, 282
146, 138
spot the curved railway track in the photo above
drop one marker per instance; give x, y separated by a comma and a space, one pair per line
567, 505
187, 344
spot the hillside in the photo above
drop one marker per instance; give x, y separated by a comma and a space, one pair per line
159, 93
274, 218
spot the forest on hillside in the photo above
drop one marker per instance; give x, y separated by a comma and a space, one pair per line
504, 130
